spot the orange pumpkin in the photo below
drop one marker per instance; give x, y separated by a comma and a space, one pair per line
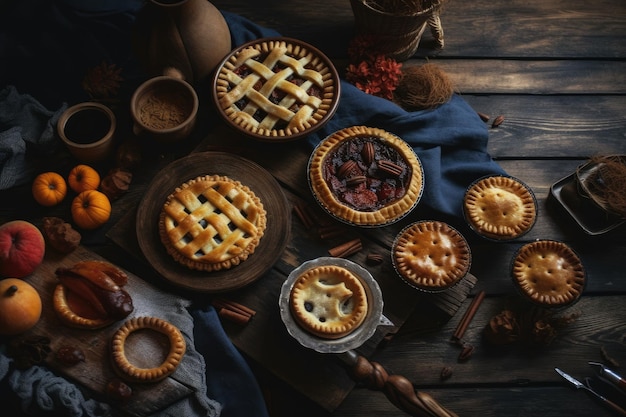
20, 306
91, 209
49, 189
82, 178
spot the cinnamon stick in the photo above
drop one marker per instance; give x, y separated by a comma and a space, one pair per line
303, 214
346, 249
468, 316
234, 316
234, 306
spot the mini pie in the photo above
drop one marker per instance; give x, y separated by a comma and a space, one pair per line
67, 316
328, 301
277, 88
211, 223
431, 255
548, 273
500, 207
125, 369
366, 176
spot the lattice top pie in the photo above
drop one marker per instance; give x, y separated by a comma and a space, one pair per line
500, 207
366, 176
277, 88
211, 223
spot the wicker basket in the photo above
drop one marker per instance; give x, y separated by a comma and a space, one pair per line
398, 34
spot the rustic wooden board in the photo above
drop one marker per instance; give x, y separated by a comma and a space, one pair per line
96, 371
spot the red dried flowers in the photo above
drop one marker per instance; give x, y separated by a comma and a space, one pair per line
371, 71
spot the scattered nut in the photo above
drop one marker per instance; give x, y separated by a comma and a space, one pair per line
466, 353
446, 373
374, 259
118, 390
497, 121
484, 117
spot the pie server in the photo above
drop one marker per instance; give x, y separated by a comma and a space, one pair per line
398, 389
611, 376
579, 385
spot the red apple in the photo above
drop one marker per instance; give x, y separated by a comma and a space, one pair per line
22, 248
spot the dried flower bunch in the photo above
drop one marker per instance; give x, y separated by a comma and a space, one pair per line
371, 71
423, 87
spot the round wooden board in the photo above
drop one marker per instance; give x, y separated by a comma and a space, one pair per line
261, 182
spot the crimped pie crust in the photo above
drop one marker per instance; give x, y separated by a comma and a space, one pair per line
211, 223
549, 273
431, 255
68, 317
267, 91
328, 301
500, 207
389, 212
118, 354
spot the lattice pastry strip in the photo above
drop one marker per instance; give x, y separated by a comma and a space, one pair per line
264, 87
212, 222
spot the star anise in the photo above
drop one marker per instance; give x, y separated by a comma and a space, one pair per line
102, 81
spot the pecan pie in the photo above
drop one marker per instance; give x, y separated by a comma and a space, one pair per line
548, 273
211, 223
366, 176
276, 88
500, 207
431, 255
329, 301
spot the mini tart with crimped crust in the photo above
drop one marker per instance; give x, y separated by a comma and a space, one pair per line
128, 371
365, 176
212, 222
328, 301
549, 273
431, 255
500, 207
69, 317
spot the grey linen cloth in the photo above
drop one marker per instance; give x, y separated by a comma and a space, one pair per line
41, 390
26, 128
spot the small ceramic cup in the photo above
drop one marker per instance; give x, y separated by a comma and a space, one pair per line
164, 108
88, 130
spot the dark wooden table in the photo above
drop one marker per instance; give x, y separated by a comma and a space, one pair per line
557, 71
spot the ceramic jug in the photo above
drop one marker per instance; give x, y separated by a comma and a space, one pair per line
189, 35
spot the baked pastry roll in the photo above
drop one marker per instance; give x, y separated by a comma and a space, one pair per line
431, 255
500, 207
212, 222
329, 301
365, 176
548, 273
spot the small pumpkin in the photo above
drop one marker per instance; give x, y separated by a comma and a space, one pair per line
49, 189
82, 178
91, 209
20, 306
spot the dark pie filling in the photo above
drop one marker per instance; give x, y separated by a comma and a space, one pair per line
379, 187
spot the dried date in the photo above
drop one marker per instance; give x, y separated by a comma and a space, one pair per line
70, 355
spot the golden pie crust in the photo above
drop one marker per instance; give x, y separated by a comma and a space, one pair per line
125, 369
330, 185
431, 255
211, 223
549, 273
329, 301
276, 88
500, 207
69, 317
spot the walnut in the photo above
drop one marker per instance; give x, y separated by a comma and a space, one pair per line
542, 332
60, 235
116, 183
503, 328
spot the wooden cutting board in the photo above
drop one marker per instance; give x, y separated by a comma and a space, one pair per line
96, 371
